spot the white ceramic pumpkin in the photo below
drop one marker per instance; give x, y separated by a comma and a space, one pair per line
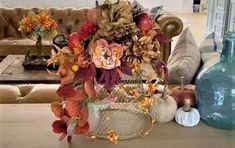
163, 109
187, 116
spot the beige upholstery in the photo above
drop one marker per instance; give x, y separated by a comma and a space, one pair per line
40, 93
9, 94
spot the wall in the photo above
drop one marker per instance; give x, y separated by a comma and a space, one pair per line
170, 5
49, 3
1, 5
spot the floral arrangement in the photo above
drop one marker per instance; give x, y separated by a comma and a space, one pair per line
38, 25
116, 40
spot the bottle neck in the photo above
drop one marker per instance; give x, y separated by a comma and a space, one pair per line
228, 53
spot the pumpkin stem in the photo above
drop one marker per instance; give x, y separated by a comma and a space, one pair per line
164, 91
187, 105
182, 83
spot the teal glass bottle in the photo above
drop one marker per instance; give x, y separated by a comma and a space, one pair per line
215, 88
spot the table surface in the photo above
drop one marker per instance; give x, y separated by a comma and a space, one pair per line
29, 126
11, 71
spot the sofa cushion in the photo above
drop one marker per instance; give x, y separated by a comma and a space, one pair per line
185, 59
42, 93
9, 94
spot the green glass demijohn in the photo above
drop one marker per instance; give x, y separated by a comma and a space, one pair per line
215, 88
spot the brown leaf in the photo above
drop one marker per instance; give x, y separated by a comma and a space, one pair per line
89, 88
73, 108
80, 94
57, 109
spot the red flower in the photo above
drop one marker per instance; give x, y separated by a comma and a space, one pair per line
161, 69
161, 37
87, 29
73, 40
59, 127
144, 21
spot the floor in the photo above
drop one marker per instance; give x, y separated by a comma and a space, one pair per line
197, 24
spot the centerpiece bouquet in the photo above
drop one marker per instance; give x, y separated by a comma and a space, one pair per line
101, 69
37, 26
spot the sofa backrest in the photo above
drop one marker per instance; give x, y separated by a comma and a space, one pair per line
68, 19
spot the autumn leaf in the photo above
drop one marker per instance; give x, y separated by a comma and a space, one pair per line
83, 117
124, 68
66, 91
82, 130
79, 95
73, 108
90, 89
57, 109
87, 73
109, 78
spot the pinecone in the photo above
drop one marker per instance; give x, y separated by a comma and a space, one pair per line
116, 22
141, 50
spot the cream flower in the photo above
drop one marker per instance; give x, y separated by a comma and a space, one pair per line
106, 56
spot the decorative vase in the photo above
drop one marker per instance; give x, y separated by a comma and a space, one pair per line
215, 89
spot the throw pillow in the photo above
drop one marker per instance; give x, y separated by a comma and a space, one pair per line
210, 52
184, 59
210, 44
42, 93
9, 94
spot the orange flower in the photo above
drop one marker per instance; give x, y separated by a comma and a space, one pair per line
106, 56
26, 25
44, 20
53, 24
146, 102
112, 136
134, 93
152, 88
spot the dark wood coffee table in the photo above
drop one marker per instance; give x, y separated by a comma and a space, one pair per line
11, 71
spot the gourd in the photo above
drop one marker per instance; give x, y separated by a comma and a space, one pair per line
163, 109
186, 115
180, 93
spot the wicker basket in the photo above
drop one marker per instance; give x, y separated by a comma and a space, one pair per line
124, 116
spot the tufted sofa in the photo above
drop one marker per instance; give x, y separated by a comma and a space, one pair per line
11, 40
26, 93
69, 20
